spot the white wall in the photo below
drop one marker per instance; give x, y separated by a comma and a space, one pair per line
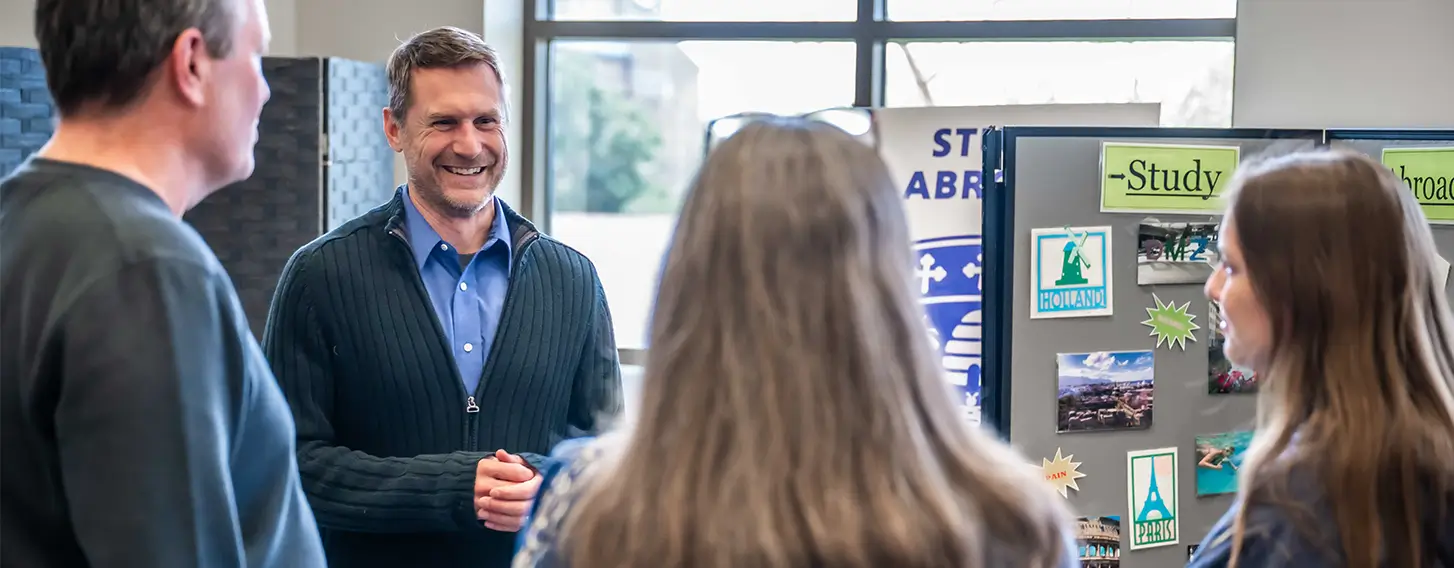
17, 21
1344, 63
17, 18
283, 18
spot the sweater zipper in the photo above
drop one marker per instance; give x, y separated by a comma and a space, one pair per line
472, 408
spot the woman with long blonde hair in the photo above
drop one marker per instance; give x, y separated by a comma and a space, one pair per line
1328, 291
792, 413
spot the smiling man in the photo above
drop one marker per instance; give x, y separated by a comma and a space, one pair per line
435, 349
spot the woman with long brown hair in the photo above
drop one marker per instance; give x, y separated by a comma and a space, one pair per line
792, 413
1329, 293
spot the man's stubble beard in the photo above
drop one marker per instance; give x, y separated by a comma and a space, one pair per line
440, 202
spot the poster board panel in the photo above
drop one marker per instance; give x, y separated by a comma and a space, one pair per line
935, 156
1056, 183
1443, 232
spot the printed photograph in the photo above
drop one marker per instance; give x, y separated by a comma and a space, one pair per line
1222, 376
1104, 390
1099, 539
1176, 253
1219, 456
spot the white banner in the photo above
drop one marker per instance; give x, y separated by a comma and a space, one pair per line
935, 157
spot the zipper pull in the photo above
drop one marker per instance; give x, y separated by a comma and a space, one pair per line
470, 406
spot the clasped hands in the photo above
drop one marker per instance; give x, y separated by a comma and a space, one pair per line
504, 491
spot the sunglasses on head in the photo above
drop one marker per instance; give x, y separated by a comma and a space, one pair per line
856, 121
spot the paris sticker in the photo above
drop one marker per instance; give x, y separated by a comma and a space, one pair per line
1070, 272
948, 273
1151, 492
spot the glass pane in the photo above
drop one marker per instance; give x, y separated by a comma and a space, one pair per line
627, 124
707, 10
631, 378
975, 10
1192, 80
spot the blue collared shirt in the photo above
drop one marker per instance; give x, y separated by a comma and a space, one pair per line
467, 300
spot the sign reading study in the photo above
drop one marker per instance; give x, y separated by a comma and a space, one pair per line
1429, 173
1164, 178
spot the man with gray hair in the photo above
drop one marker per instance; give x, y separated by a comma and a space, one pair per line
141, 425
435, 349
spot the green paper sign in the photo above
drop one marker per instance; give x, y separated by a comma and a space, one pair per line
1429, 173
1171, 325
1165, 178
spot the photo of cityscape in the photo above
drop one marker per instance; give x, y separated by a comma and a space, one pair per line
1104, 390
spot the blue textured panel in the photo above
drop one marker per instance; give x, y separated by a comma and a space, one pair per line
26, 112
360, 167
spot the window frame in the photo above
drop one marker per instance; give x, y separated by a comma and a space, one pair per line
870, 33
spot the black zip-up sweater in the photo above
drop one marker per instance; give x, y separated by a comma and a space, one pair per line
388, 439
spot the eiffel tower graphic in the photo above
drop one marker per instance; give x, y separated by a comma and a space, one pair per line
1153, 503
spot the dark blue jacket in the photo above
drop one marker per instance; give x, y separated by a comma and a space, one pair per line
1273, 541
388, 437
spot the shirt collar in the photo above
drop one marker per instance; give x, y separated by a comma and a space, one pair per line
424, 240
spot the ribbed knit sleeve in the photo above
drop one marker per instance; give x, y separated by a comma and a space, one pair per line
593, 365
597, 396
349, 489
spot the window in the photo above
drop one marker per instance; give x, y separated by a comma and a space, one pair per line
621, 90
1192, 80
706, 10
627, 123
1009, 10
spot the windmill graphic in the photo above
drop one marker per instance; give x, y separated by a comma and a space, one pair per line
1074, 260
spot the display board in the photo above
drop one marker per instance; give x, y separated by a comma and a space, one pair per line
1108, 333
1434, 189
935, 155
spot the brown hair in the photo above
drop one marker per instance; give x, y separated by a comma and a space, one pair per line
104, 53
1338, 252
440, 48
793, 413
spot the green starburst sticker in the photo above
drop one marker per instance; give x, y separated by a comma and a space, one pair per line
1170, 324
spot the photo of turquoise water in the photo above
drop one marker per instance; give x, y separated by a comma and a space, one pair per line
1219, 456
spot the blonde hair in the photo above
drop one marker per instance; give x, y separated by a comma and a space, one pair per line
1357, 392
793, 414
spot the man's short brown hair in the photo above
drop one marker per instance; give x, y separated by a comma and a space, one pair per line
439, 48
105, 52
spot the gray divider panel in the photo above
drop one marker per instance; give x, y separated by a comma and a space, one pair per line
255, 225
1057, 183
1443, 234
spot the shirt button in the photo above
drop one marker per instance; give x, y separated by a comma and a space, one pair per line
469, 347
463, 286
443, 246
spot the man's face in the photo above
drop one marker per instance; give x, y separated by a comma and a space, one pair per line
235, 93
452, 137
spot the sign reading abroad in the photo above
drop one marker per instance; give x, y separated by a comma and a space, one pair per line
934, 155
1152, 493
1165, 178
1429, 173
1070, 272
